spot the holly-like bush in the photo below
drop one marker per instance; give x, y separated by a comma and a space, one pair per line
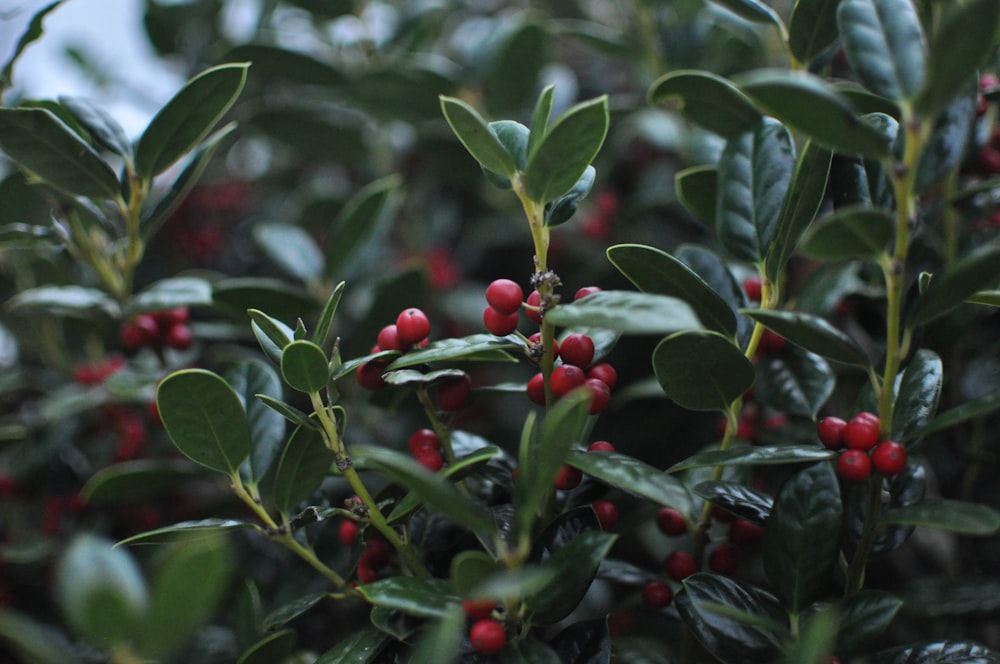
462, 334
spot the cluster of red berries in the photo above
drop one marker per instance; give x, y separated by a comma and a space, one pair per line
860, 436
158, 329
410, 330
576, 369
425, 446
486, 635
95, 373
375, 556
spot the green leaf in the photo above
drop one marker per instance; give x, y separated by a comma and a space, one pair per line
291, 248
816, 639
573, 567
435, 490
540, 119
864, 616
253, 380
303, 465
187, 530
990, 298
939, 652
634, 477
566, 151
41, 143
697, 190
563, 208
655, 271
471, 348
970, 596
737, 499
132, 482
205, 419
944, 150
270, 329
286, 613
969, 410
304, 366
813, 334
707, 100
30, 34
443, 641
850, 232
104, 130
755, 171
754, 456
188, 117
802, 202
189, 583
292, 66
751, 10
795, 381
311, 132
357, 222
515, 139
472, 130
950, 515
918, 395
469, 569
424, 598
798, 552
65, 300
170, 293
271, 648
626, 312
812, 28
972, 24
808, 104
885, 44
325, 322
409, 377
101, 592
978, 269
34, 642
585, 641
362, 646
702, 370
511, 76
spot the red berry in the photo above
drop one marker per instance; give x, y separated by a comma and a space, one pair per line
577, 349
140, 332
861, 434
585, 291
366, 574
532, 311
607, 513
478, 609
752, 287
721, 515
505, 296
867, 417
453, 393
376, 553
565, 378
604, 372
175, 316
429, 458
388, 339
889, 458
487, 637
536, 338
745, 533
854, 465
179, 337
536, 389
989, 158
601, 446
771, 342
601, 395
568, 478
369, 375
679, 565
831, 432
348, 532
671, 522
423, 438
499, 324
412, 326
724, 559
657, 595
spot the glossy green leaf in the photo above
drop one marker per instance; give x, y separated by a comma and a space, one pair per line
291, 248
104, 130
885, 44
939, 652
943, 514
755, 171
950, 70
969, 410
850, 232
424, 598
798, 552
813, 334
411, 378
626, 312
808, 104
795, 381
469, 568
634, 477
697, 190
944, 149
188, 117
918, 394
864, 616
252, 379
325, 322
464, 349
978, 269
41, 143
816, 638
702, 370
170, 293
990, 298
357, 222
812, 28
514, 66
303, 465
472, 130
272, 648
562, 209
187, 530
707, 100
587, 641
293, 66
754, 456
443, 641
35, 642
736, 498
802, 202
101, 592
574, 567
904, 489
514, 584
270, 329
286, 613
436, 491
304, 366
751, 10
135, 481
540, 119
30, 34
515, 139
566, 151
362, 646
204, 418
970, 596
655, 271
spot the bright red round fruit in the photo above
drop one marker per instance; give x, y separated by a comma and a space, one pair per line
831, 432
179, 337
854, 465
505, 296
585, 291
423, 438
860, 434
601, 395
429, 458
565, 378
139, 332
745, 533
347, 532
607, 513
388, 339
577, 349
369, 375
671, 522
487, 636
889, 458
752, 287
679, 565
724, 559
568, 478
452, 394
601, 446
657, 595
412, 326
604, 372
478, 609
867, 417
499, 324
536, 389
532, 311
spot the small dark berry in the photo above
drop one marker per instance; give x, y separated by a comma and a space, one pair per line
724, 559
179, 337
478, 609
601, 395
605, 373
752, 287
607, 513
831, 432
536, 389
671, 522
369, 375
452, 394
745, 533
568, 478
585, 291
679, 565
348, 532
657, 595
429, 458
423, 438
388, 339
601, 446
